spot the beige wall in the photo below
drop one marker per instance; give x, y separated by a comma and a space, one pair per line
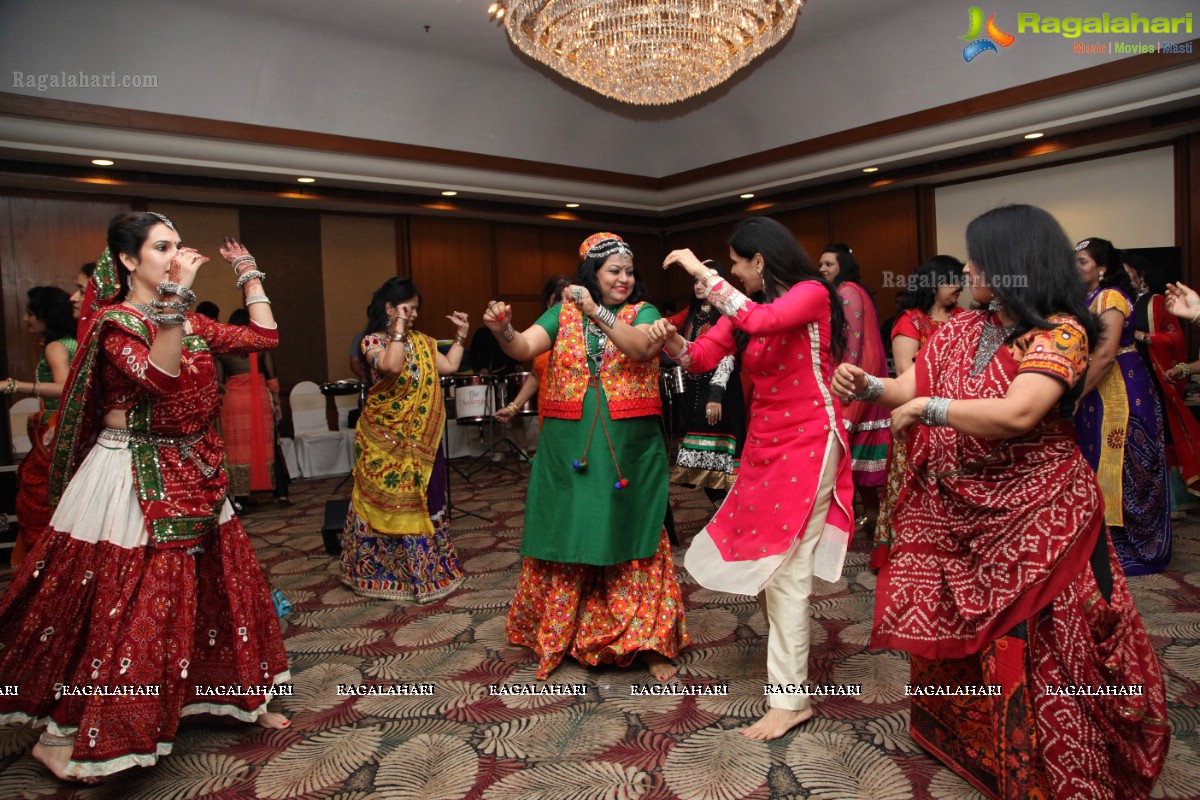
1128, 199
357, 255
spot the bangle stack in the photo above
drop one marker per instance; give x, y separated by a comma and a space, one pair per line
246, 260
873, 392
257, 298
460, 340
513, 408
1185, 370
399, 336
10, 386
509, 333
605, 317
936, 412
250, 275
182, 292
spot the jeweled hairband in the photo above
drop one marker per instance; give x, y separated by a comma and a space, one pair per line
163, 219
1082, 245
609, 247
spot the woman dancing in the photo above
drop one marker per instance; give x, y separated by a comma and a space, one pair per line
794, 487
597, 582
1002, 574
396, 542
145, 591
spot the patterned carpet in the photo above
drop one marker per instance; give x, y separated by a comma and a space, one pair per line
462, 742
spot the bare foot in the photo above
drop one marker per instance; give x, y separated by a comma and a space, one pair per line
273, 721
56, 759
661, 667
776, 723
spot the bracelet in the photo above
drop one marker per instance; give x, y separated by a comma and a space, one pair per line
460, 340
11, 386
178, 305
509, 333
712, 273
399, 336
34, 391
257, 298
237, 262
1185, 369
249, 275
184, 293
56, 742
513, 408
605, 317
936, 412
873, 392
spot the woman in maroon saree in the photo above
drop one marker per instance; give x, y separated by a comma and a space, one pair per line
1002, 583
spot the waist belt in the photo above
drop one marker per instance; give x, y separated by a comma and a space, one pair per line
183, 444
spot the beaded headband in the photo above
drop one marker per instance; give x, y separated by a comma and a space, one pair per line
164, 219
1083, 245
603, 245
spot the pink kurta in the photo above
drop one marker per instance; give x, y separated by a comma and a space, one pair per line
794, 424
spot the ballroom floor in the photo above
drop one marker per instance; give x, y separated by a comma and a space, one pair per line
462, 742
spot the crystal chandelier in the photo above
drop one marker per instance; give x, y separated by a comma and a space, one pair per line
646, 52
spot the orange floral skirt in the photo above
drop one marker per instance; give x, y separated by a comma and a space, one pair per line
598, 615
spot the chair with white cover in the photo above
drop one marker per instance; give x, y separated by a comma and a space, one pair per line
320, 452
346, 403
18, 422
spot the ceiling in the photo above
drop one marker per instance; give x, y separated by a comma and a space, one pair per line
386, 102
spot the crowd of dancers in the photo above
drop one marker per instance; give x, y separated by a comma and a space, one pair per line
1013, 471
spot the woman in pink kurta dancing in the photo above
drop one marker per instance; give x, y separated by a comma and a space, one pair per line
794, 488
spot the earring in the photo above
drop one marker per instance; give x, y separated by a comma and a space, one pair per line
996, 305
129, 283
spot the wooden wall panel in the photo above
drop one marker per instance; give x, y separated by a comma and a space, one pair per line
882, 229
287, 244
811, 227
357, 255
43, 240
452, 267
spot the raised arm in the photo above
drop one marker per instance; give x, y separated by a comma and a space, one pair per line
807, 301
632, 340
448, 364
519, 345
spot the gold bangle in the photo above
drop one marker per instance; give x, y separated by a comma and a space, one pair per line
513, 408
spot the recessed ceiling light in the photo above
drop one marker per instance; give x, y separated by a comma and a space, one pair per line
306, 180
102, 162
746, 196
1034, 135
449, 193
870, 169
572, 205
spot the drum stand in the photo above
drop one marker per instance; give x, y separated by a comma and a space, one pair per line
451, 465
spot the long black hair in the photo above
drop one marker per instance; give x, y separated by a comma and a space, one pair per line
1109, 257
1028, 262
785, 264
552, 289
585, 276
127, 232
935, 273
51, 306
848, 269
394, 291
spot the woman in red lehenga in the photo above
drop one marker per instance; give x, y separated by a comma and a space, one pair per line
249, 409
145, 595
1002, 583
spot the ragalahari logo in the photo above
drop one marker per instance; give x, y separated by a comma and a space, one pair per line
995, 35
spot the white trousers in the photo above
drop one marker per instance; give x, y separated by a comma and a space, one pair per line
785, 598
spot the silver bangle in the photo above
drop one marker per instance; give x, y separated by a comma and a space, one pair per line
936, 412
237, 262
873, 392
249, 275
509, 333
179, 305
257, 298
56, 742
184, 293
168, 319
605, 317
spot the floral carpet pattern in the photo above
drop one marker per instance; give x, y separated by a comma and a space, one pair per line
463, 741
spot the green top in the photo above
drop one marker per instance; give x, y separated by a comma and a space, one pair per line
580, 517
44, 374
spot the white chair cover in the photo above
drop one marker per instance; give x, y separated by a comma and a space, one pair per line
320, 452
18, 420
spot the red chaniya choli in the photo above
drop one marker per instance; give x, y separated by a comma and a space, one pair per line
144, 601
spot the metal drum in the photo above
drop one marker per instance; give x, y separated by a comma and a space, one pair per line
340, 388
512, 385
673, 382
474, 399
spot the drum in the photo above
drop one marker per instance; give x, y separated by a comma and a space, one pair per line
673, 382
474, 398
512, 386
339, 388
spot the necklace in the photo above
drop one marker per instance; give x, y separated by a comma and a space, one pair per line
595, 357
989, 342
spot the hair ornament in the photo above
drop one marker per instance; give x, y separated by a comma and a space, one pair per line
164, 219
1083, 245
603, 245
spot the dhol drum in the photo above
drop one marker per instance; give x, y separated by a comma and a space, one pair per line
673, 382
474, 399
512, 387
340, 388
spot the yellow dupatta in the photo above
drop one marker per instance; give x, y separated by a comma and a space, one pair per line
398, 437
